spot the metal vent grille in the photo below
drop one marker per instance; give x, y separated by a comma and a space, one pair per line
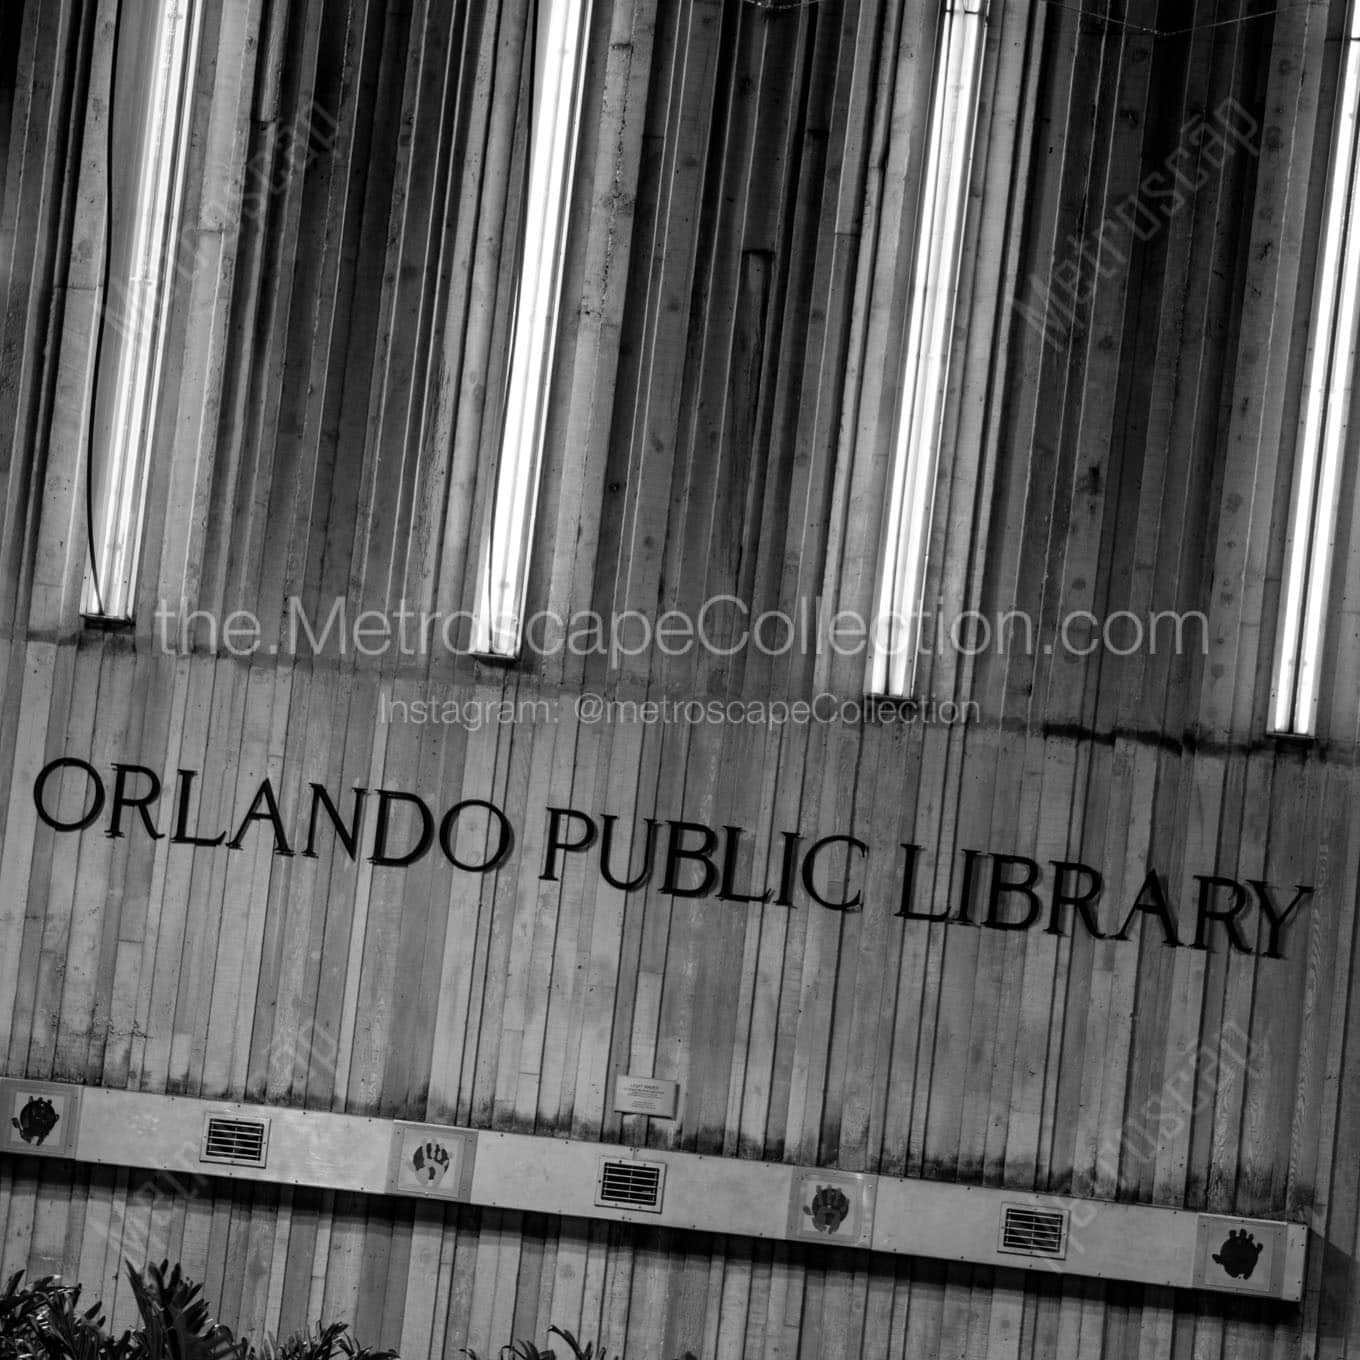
235, 1142
1033, 1232
631, 1185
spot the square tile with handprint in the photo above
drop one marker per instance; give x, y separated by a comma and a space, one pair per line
431, 1161
1232, 1254
831, 1206
38, 1119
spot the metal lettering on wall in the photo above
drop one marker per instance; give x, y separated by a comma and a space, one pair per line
996, 891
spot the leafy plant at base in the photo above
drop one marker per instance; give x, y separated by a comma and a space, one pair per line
43, 1321
526, 1350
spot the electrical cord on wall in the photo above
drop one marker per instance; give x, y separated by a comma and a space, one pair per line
103, 309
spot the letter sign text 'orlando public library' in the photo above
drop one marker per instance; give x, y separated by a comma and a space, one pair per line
689, 859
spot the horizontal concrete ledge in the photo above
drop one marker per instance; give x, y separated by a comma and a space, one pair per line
186, 1139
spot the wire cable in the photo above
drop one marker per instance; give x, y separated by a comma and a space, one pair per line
1166, 32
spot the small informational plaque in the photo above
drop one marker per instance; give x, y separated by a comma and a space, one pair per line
646, 1095
431, 1161
38, 1119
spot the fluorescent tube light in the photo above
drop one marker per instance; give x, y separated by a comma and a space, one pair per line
1323, 425
134, 316
941, 213
503, 573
